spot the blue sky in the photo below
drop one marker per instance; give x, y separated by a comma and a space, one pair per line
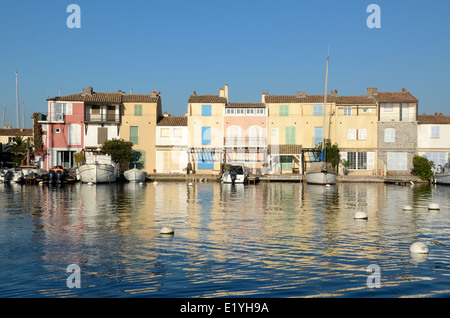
177, 47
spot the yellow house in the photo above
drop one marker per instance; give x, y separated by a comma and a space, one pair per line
205, 128
355, 129
140, 115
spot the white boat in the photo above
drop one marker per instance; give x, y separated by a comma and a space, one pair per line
322, 172
135, 175
18, 176
5, 176
442, 176
98, 169
236, 174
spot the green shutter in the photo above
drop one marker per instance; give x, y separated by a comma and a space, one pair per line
134, 134
290, 135
284, 110
137, 110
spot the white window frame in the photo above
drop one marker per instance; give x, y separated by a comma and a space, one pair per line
389, 134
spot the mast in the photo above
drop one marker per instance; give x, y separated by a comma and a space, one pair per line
324, 112
17, 102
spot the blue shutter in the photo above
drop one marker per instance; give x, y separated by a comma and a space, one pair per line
206, 135
206, 110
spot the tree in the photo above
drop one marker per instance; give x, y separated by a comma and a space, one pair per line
119, 149
332, 152
423, 167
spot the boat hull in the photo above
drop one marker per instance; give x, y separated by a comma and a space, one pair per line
323, 178
135, 175
442, 179
97, 173
240, 178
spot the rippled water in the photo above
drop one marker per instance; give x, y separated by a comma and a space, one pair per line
264, 240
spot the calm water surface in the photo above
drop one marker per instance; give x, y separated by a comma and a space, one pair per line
264, 240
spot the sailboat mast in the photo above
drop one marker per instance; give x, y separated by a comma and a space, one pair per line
324, 109
17, 102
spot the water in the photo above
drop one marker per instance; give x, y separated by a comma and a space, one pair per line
266, 240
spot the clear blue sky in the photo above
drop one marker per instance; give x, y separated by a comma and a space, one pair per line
177, 47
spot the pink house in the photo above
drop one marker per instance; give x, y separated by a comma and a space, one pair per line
62, 133
245, 131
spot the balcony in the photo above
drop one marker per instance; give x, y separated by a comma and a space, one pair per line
102, 118
52, 118
245, 142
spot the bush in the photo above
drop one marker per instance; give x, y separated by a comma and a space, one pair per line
423, 167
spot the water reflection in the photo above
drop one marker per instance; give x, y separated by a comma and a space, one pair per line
269, 239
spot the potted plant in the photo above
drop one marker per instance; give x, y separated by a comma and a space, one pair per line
345, 164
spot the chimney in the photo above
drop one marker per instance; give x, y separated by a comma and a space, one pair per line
375, 91
222, 93
90, 90
166, 114
226, 92
194, 93
369, 91
300, 94
404, 90
263, 97
335, 93
154, 92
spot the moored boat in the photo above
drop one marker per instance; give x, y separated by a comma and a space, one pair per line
18, 176
5, 175
236, 174
98, 168
135, 175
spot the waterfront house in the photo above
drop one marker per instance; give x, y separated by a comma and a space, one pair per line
140, 115
172, 144
245, 134
432, 138
397, 130
355, 129
205, 127
7, 135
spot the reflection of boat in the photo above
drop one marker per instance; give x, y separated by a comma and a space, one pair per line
18, 176
135, 175
5, 176
322, 172
98, 168
236, 174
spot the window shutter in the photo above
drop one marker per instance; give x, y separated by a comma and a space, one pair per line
370, 160
362, 134
352, 134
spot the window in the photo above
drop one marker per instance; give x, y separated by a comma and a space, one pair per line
65, 159
95, 110
178, 132
206, 110
362, 134
437, 157
250, 111
351, 134
405, 110
137, 110
347, 110
351, 158
240, 111
260, 111
206, 135
102, 135
396, 161
318, 135
134, 134
230, 111
360, 160
284, 110
389, 135
165, 132
170, 160
74, 134
57, 130
318, 110
435, 133
388, 107
290, 135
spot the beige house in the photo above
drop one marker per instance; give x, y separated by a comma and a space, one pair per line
140, 115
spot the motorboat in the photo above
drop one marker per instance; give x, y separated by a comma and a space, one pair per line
135, 175
442, 176
18, 176
59, 175
98, 168
236, 174
5, 175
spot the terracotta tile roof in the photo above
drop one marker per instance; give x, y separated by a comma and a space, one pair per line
295, 99
395, 97
173, 121
207, 99
433, 119
98, 97
246, 105
16, 132
140, 98
354, 100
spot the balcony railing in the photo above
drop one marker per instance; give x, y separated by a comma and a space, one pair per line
245, 141
111, 118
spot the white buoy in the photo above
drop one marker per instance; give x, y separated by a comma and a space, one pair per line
418, 248
141, 183
190, 184
327, 185
407, 208
433, 206
167, 230
155, 182
361, 215
90, 183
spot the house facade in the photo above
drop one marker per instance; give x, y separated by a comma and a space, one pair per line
397, 130
205, 128
172, 154
432, 138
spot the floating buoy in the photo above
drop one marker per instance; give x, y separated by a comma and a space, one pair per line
190, 184
361, 215
141, 183
433, 206
418, 248
327, 185
155, 182
90, 183
166, 230
407, 208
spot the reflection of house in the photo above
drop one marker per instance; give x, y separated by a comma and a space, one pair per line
172, 144
432, 138
397, 129
205, 126
141, 113
245, 132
